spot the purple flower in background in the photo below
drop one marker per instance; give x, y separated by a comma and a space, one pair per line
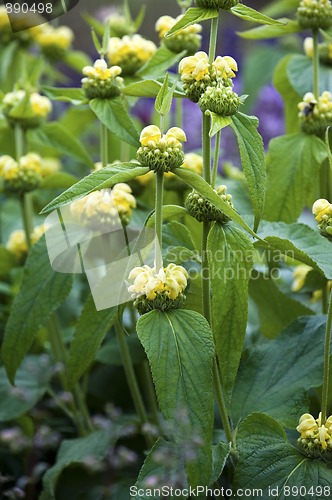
269, 111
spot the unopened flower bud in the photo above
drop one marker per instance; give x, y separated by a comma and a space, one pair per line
22, 176
187, 39
315, 14
161, 153
203, 210
220, 100
101, 81
315, 115
217, 4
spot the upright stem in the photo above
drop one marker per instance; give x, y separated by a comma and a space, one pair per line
315, 63
216, 159
104, 145
221, 402
326, 378
131, 379
159, 218
20, 142
27, 217
179, 112
213, 39
150, 392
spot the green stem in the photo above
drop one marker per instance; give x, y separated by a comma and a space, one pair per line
20, 142
179, 112
206, 149
159, 218
213, 39
131, 379
150, 393
315, 63
27, 216
216, 159
221, 402
104, 145
125, 152
325, 391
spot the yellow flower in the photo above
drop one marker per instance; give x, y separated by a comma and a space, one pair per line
194, 67
50, 166
176, 133
10, 170
41, 105
3, 161
49, 36
150, 134
17, 243
300, 274
314, 434
308, 47
130, 52
170, 281
320, 208
31, 162
164, 24
193, 162
101, 71
225, 67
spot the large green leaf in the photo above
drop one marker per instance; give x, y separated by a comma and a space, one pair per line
180, 349
148, 88
300, 74
230, 254
42, 291
299, 242
56, 136
290, 97
276, 309
293, 162
275, 375
76, 451
249, 14
272, 31
270, 467
101, 179
113, 114
90, 331
192, 16
196, 182
253, 159
161, 61
31, 383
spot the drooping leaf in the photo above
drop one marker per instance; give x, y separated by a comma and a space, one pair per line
75, 451
90, 331
196, 182
218, 122
272, 31
42, 291
180, 350
31, 383
230, 254
299, 242
101, 179
113, 114
276, 309
280, 371
56, 136
220, 454
161, 61
293, 162
192, 16
253, 160
249, 14
270, 466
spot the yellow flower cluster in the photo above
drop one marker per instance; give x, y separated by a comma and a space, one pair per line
50, 37
170, 281
101, 81
322, 209
17, 242
187, 39
193, 162
40, 107
130, 52
21, 23
50, 166
22, 176
316, 115
161, 152
300, 273
100, 70
314, 434
100, 210
197, 67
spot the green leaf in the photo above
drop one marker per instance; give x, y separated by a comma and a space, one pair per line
113, 114
180, 349
7, 261
272, 31
249, 14
91, 330
161, 94
101, 179
290, 97
218, 122
75, 96
220, 453
192, 16
230, 254
168, 212
58, 181
147, 88
280, 7
175, 233
293, 162
161, 61
276, 309
299, 242
42, 291
300, 75
94, 23
275, 375
75, 451
77, 60
253, 160
31, 383
60, 139
269, 463
201, 186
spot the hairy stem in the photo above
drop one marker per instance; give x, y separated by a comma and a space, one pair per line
159, 218
216, 159
104, 145
325, 391
221, 402
213, 39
